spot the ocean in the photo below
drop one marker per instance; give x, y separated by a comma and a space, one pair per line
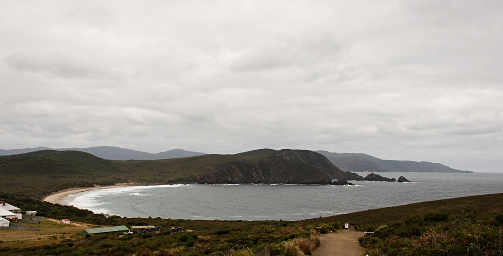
281, 202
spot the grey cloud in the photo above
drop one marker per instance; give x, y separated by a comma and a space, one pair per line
58, 65
477, 131
411, 79
288, 52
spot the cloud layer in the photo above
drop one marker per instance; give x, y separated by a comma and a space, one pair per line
397, 79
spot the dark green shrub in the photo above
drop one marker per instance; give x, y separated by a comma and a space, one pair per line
289, 236
222, 232
499, 219
328, 227
408, 230
187, 239
184, 238
415, 220
382, 231
436, 217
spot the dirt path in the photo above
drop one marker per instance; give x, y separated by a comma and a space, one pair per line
343, 243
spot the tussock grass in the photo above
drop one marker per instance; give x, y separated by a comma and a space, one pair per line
242, 252
302, 246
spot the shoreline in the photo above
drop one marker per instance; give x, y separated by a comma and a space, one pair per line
59, 196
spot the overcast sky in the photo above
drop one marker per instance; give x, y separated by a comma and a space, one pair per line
420, 80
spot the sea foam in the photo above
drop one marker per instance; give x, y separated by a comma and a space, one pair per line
91, 199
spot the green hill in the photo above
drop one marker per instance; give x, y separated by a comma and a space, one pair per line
112, 153
39, 173
51, 162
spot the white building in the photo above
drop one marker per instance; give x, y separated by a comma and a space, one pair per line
7, 214
30, 213
4, 223
66, 221
11, 208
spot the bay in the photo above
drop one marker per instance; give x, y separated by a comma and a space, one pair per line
285, 202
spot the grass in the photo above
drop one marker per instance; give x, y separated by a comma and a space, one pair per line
491, 205
409, 228
302, 246
49, 231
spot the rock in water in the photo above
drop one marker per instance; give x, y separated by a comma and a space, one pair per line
340, 182
403, 179
377, 177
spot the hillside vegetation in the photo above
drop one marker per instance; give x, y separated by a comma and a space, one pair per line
39, 173
444, 227
112, 153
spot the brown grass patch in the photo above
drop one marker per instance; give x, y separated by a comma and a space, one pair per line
302, 246
49, 232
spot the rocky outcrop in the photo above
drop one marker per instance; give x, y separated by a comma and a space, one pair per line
403, 179
377, 177
340, 182
277, 166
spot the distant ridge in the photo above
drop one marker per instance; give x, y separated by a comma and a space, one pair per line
41, 172
113, 153
358, 162
352, 162
7, 152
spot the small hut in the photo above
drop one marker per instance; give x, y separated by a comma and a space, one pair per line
30, 213
106, 230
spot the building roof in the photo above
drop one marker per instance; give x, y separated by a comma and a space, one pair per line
91, 231
142, 227
8, 207
4, 212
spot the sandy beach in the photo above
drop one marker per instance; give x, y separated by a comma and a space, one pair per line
58, 197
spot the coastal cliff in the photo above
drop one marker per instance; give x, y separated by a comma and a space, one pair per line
276, 166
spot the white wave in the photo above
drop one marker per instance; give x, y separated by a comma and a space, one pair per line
118, 190
85, 200
137, 194
90, 199
101, 211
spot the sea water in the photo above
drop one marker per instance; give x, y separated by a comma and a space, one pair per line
276, 201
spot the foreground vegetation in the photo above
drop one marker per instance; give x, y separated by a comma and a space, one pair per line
471, 231
200, 237
462, 226
39, 231
459, 226
445, 227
